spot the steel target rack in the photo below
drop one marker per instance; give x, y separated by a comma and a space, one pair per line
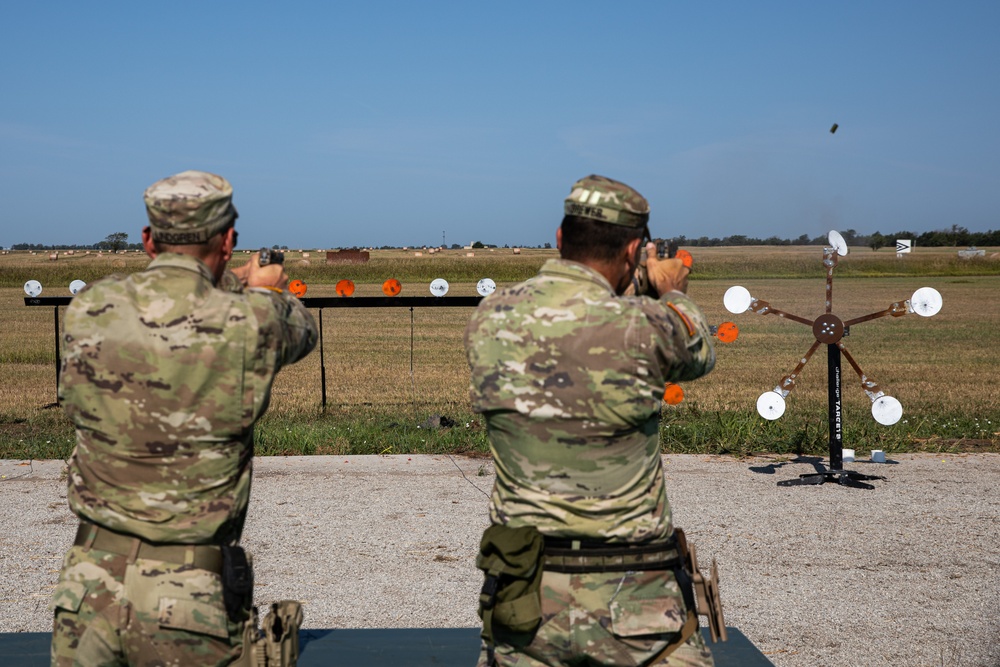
319, 303
830, 330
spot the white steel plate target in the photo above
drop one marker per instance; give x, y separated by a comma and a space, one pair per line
439, 287
926, 301
737, 299
486, 286
76, 286
32, 288
837, 242
887, 410
770, 405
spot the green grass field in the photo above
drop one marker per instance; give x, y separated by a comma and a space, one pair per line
942, 369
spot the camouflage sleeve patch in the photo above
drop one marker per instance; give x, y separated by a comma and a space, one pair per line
683, 341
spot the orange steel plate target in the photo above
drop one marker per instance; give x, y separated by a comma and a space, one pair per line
727, 332
685, 257
345, 287
392, 287
673, 393
298, 288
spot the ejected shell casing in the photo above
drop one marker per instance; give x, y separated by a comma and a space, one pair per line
834, 128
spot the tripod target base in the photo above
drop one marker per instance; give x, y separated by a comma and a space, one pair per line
843, 477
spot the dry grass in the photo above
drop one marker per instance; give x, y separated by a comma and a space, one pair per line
942, 369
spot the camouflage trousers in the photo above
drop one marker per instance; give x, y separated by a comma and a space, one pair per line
605, 618
108, 611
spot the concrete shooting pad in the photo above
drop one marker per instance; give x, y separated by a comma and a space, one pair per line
413, 647
383, 547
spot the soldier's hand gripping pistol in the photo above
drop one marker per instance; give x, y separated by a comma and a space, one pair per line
270, 256
264, 270
665, 249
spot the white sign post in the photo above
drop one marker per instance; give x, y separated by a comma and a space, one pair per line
903, 246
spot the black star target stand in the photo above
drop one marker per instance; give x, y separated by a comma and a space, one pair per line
830, 330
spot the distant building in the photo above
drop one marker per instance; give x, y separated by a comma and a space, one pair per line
347, 257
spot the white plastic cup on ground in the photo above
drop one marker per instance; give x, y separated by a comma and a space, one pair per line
848, 456
878, 456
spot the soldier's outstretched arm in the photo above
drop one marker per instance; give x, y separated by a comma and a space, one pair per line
300, 330
684, 342
287, 326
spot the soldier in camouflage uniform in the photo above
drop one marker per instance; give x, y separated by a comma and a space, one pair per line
569, 375
164, 375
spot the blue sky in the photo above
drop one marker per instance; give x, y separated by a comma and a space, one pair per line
343, 124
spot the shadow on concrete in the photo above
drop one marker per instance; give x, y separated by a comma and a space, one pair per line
815, 461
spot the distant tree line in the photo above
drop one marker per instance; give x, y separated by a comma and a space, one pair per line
957, 236
67, 246
112, 242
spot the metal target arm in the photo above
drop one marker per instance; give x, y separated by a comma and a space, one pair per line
762, 307
870, 386
897, 309
788, 382
830, 262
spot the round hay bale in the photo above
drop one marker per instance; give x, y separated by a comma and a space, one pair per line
303, 262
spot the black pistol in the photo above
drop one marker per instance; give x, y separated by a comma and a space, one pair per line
271, 256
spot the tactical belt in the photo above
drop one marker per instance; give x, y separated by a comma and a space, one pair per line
201, 556
578, 556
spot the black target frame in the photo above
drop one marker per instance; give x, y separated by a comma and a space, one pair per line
319, 303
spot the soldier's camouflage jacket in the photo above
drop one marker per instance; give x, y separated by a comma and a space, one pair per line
164, 375
570, 378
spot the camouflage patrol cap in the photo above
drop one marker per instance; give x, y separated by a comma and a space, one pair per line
600, 198
189, 207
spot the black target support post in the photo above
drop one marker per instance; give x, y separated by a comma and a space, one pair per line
322, 362
836, 405
55, 315
55, 302
836, 471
